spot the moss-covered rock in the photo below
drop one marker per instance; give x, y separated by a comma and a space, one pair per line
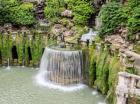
103, 72
29, 51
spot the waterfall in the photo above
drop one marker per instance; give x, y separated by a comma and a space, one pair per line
61, 69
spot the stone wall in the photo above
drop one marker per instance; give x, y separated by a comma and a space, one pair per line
21, 49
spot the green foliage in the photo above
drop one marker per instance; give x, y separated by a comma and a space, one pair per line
28, 44
6, 46
5, 7
82, 15
65, 22
131, 71
92, 66
37, 49
114, 68
54, 8
13, 11
51, 41
115, 0
22, 42
133, 3
103, 72
9, 3
112, 17
22, 15
19, 44
98, 39
133, 11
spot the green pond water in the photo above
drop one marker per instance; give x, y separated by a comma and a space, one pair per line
17, 86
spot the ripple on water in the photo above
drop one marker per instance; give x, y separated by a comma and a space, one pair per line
17, 87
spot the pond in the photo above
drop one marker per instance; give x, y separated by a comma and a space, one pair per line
17, 86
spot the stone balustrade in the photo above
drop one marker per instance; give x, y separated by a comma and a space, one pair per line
127, 85
130, 59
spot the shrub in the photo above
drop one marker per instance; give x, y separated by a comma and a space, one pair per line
55, 7
23, 15
82, 15
5, 7
14, 11
112, 17
133, 11
133, 3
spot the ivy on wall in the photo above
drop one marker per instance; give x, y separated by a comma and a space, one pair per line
19, 45
37, 49
22, 43
103, 72
6, 46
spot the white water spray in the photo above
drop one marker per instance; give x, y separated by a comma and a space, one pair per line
89, 36
8, 66
61, 69
23, 63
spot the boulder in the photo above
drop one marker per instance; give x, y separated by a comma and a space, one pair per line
116, 41
67, 13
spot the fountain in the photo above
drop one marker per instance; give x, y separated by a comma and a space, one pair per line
8, 66
61, 68
89, 36
23, 63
